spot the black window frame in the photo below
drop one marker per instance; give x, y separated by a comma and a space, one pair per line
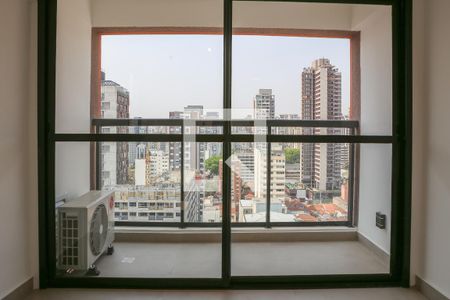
401, 141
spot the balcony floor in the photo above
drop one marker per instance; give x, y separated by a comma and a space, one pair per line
191, 260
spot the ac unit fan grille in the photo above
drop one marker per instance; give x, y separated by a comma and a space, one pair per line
98, 229
69, 238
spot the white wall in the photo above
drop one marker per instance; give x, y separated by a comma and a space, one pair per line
292, 15
16, 203
210, 13
72, 175
73, 66
157, 13
376, 119
73, 75
32, 184
431, 167
376, 68
420, 112
375, 193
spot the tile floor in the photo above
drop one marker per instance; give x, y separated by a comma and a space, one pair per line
334, 294
191, 260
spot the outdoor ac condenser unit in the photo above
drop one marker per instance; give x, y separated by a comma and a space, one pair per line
86, 231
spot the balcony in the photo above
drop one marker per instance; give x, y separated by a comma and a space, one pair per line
273, 231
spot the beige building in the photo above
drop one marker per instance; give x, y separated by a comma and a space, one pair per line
277, 173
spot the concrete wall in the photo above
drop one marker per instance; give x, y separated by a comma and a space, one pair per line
16, 213
431, 153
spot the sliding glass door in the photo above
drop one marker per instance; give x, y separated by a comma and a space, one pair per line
130, 85
315, 84
224, 144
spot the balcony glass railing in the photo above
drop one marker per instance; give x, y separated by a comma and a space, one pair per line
174, 176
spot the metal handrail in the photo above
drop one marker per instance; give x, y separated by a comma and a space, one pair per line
237, 122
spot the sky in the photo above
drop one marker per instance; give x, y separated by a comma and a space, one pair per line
167, 72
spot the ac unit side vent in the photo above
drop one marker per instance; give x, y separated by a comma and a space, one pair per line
69, 238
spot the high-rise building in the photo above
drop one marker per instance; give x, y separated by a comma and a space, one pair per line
157, 165
193, 152
236, 185
114, 105
133, 145
175, 147
289, 130
321, 100
211, 149
277, 174
345, 149
196, 153
152, 167
247, 170
264, 104
194, 193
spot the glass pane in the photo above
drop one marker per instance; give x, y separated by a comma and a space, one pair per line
145, 179
248, 164
315, 69
313, 61
360, 249
311, 182
136, 190
154, 59
203, 167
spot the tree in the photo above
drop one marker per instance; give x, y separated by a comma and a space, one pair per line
292, 155
212, 164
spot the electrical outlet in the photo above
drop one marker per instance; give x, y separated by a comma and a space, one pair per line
380, 220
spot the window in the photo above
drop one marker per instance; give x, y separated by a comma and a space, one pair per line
142, 205
105, 105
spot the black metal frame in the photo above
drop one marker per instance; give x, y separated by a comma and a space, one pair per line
401, 141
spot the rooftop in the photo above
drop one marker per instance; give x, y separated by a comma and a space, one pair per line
274, 216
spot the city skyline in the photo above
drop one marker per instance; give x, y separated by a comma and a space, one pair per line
306, 181
145, 65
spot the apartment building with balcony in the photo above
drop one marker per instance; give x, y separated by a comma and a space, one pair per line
114, 105
321, 100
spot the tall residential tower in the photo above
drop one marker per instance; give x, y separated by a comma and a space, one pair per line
321, 100
114, 105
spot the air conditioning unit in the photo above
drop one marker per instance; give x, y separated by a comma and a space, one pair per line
86, 231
